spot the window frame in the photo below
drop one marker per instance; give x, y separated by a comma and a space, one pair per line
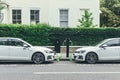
112, 45
35, 21
6, 42
16, 15
10, 40
65, 15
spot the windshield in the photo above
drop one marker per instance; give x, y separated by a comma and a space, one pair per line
101, 42
26, 43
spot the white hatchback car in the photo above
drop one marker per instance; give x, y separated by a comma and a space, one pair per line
109, 49
17, 49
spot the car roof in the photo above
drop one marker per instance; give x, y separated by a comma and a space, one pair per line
112, 38
9, 38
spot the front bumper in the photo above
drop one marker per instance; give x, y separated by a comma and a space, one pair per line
79, 57
50, 57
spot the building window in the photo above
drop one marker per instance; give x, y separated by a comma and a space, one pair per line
34, 16
64, 18
16, 16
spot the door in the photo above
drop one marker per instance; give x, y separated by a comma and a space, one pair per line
111, 51
18, 51
4, 49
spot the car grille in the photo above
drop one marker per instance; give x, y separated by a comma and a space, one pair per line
74, 57
49, 57
80, 57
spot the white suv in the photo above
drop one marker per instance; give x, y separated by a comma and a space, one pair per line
17, 49
108, 49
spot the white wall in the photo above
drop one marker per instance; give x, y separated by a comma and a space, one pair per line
26, 5
49, 10
74, 7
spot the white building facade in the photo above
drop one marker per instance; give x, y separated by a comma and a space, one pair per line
58, 13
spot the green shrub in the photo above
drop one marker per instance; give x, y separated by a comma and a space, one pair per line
86, 20
85, 36
34, 34
45, 35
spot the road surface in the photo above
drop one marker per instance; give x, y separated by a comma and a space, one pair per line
63, 70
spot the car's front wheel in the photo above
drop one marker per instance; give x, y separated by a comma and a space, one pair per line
91, 58
38, 58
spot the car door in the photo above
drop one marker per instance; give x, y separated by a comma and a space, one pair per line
18, 51
4, 50
111, 50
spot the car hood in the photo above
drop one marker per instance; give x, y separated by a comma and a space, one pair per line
87, 48
41, 48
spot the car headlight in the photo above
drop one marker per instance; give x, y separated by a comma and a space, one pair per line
80, 52
47, 51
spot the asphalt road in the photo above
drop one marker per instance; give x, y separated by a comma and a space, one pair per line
63, 70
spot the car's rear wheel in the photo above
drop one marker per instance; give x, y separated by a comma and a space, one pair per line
91, 58
38, 58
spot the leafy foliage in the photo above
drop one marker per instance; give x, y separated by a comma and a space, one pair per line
110, 13
1, 6
45, 35
87, 20
34, 34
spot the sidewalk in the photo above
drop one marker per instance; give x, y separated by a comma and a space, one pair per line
62, 56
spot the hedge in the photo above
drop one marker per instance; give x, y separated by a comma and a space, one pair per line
45, 35
84, 36
34, 34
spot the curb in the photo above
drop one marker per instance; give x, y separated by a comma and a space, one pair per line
66, 60
62, 57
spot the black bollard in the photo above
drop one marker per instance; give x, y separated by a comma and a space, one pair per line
57, 46
67, 47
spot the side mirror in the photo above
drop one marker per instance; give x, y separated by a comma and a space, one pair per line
103, 46
25, 46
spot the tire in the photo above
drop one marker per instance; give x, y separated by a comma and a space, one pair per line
38, 58
91, 58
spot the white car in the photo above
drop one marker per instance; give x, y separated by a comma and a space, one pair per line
109, 49
17, 49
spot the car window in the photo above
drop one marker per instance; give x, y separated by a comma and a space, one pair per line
3, 42
15, 43
114, 42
